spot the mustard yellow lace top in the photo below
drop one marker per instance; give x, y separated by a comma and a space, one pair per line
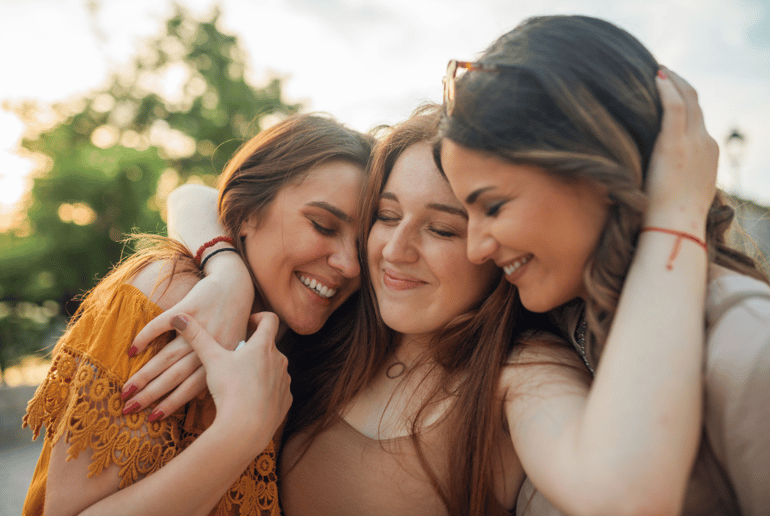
80, 401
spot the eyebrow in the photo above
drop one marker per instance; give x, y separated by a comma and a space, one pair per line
452, 210
474, 195
332, 209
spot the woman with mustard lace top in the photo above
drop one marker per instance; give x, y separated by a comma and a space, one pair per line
300, 181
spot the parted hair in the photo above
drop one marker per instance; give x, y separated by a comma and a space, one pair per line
577, 97
280, 155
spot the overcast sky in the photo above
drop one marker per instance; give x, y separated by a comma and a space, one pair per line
372, 61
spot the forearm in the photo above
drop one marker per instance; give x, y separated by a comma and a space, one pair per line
642, 417
193, 220
193, 216
194, 481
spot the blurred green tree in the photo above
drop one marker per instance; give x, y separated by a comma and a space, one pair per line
107, 162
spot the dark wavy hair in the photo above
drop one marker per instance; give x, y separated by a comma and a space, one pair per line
577, 97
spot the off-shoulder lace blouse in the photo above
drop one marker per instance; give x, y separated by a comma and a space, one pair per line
79, 401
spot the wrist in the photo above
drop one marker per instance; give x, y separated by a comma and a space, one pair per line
244, 428
684, 218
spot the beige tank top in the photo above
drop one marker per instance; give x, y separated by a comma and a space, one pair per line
346, 472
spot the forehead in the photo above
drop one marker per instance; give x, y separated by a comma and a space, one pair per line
415, 175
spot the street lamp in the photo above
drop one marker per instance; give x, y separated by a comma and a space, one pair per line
735, 144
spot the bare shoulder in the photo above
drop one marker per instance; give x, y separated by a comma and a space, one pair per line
156, 282
540, 361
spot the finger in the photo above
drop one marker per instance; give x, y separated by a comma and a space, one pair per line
690, 96
189, 389
170, 379
674, 120
151, 331
166, 357
196, 335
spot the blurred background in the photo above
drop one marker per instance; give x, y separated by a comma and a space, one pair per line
107, 105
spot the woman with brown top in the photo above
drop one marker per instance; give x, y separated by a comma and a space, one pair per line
299, 180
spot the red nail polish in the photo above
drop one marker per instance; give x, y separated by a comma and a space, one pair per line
130, 407
179, 322
156, 414
662, 74
128, 391
132, 351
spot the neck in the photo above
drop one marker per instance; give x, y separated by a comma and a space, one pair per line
409, 348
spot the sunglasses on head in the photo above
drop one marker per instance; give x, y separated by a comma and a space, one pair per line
454, 70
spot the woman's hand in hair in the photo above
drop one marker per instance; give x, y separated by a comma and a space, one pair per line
222, 303
250, 383
681, 180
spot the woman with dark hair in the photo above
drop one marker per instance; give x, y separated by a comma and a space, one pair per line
301, 181
549, 140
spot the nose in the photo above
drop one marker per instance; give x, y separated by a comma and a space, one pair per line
481, 244
345, 259
400, 248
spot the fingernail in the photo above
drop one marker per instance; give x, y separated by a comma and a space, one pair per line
662, 74
130, 407
128, 391
179, 322
132, 351
156, 414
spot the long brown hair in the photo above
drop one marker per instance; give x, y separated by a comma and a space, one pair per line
577, 97
469, 354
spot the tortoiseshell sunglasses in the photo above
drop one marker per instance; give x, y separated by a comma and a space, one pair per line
451, 76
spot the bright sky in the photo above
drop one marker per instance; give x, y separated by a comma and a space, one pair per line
372, 61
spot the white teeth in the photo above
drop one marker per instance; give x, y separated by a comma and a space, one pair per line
510, 269
321, 290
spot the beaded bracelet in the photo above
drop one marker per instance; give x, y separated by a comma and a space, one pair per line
210, 243
679, 236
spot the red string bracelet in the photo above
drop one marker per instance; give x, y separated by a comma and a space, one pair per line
678, 243
210, 243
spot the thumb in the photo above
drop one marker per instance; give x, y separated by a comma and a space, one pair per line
267, 324
196, 335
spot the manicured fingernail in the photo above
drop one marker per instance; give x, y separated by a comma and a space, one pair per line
130, 407
156, 414
128, 391
132, 350
662, 74
179, 322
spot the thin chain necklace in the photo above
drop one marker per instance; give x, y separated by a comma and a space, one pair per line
395, 370
580, 337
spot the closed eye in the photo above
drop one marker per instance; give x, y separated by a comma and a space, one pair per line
326, 231
444, 232
493, 209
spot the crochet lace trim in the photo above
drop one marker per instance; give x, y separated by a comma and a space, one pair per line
80, 400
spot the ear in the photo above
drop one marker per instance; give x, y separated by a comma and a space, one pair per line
249, 225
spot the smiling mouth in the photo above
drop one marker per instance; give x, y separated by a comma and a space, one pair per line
318, 288
510, 269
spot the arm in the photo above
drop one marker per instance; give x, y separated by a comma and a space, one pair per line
250, 388
626, 444
222, 301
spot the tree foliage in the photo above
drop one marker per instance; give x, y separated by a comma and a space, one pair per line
108, 161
